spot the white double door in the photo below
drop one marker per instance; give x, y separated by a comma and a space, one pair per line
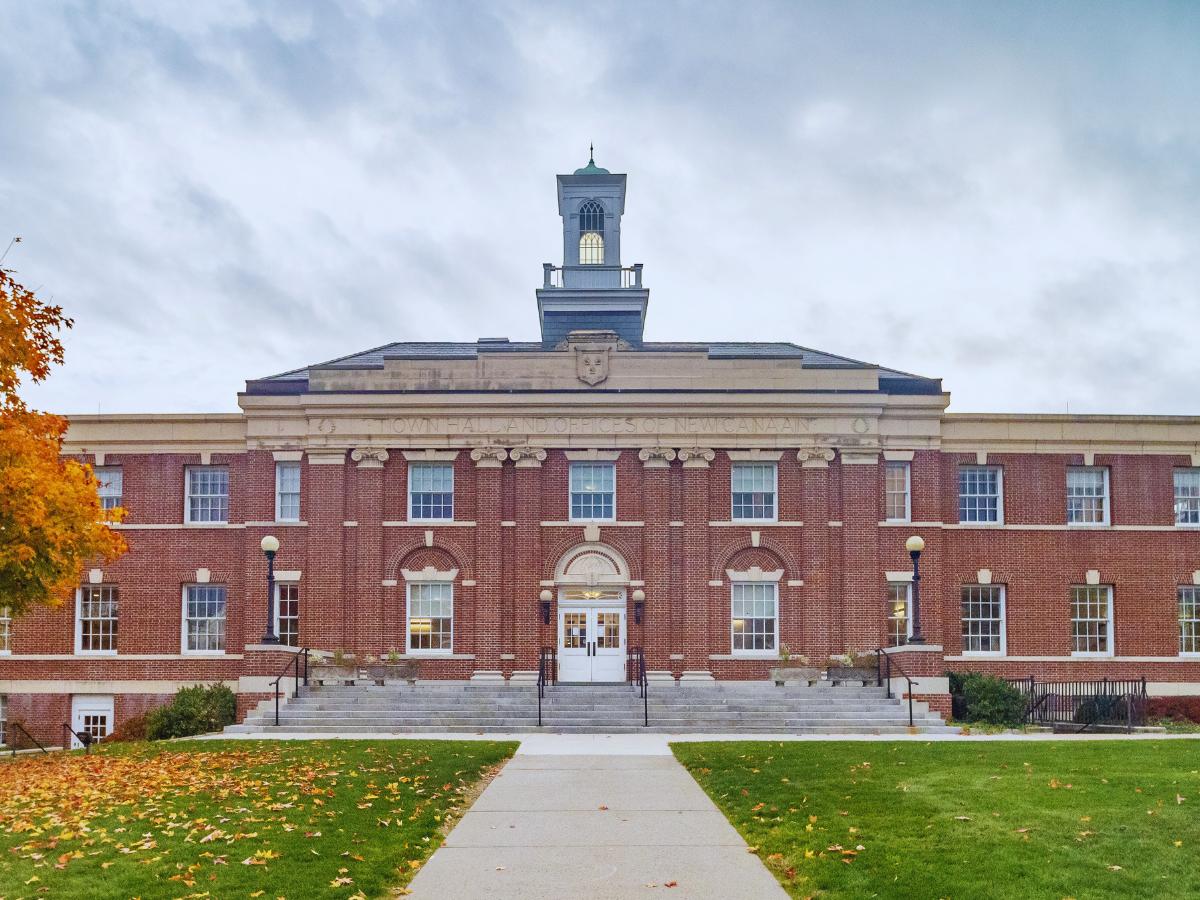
591, 638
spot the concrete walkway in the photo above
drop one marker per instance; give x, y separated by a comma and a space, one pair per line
616, 825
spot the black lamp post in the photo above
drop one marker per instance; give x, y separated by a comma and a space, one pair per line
914, 545
270, 546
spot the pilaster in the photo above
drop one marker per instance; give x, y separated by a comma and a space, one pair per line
696, 554
489, 568
368, 610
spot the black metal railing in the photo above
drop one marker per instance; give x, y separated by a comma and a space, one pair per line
84, 737
17, 726
889, 669
547, 674
636, 662
1106, 702
293, 666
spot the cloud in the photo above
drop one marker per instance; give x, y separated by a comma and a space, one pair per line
995, 195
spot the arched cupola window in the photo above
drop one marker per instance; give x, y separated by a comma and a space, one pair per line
591, 234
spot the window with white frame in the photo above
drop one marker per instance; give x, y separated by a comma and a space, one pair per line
899, 622
1189, 620
1187, 496
110, 484
897, 492
207, 494
754, 609
1091, 620
983, 618
753, 491
431, 492
204, 609
5, 630
287, 613
287, 492
1087, 495
980, 494
593, 491
430, 617
96, 619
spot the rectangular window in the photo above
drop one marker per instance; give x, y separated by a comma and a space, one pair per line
1187, 496
96, 619
983, 619
1091, 620
431, 492
207, 494
5, 631
593, 492
755, 613
431, 617
899, 623
753, 487
1087, 496
897, 495
980, 494
204, 618
287, 492
111, 483
287, 614
1189, 620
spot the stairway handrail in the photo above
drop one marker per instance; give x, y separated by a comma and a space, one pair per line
637, 660
21, 728
547, 672
293, 663
886, 659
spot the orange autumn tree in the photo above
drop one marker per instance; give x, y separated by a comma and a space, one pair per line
51, 520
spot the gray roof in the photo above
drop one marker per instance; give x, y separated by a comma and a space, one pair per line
296, 381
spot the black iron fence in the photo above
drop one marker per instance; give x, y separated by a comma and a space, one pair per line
1107, 702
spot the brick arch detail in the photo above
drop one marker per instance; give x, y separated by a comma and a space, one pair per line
735, 548
404, 552
630, 551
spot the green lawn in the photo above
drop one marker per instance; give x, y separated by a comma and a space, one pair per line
983, 819
231, 818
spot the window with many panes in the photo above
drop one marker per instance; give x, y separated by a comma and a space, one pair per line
1187, 496
431, 617
287, 613
897, 492
899, 623
207, 494
754, 610
983, 618
431, 492
593, 491
96, 619
1087, 496
111, 483
1189, 620
5, 630
591, 237
287, 492
753, 489
204, 618
1091, 620
980, 494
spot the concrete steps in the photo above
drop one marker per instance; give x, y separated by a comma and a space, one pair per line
722, 707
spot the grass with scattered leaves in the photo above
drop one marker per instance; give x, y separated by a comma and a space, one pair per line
267, 819
1002, 819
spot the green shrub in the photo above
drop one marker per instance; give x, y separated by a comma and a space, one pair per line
1102, 709
195, 710
987, 698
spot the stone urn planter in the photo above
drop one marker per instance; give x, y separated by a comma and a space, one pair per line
392, 671
854, 669
332, 673
795, 674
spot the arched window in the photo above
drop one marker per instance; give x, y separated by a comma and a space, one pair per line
591, 249
591, 217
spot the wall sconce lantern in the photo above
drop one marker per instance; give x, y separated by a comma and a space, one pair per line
546, 597
639, 605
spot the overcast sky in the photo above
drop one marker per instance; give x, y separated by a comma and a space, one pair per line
1003, 196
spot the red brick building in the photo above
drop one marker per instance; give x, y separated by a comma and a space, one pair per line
468, 504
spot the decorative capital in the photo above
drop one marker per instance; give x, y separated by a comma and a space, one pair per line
656, 457
527, 457
697, 457
369, 457
815, 457
489, 457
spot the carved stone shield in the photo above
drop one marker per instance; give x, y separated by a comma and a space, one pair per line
591, 364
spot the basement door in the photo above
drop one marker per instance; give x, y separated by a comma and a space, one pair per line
591, 635
90, 714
